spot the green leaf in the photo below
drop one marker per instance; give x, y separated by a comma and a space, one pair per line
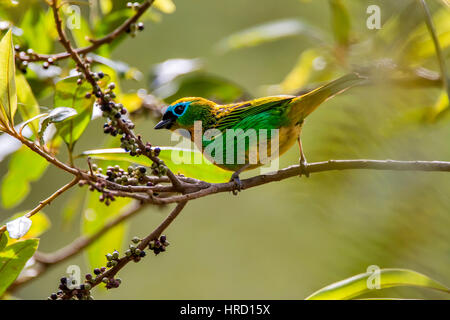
41, 223
57, 115
205, 171
3, 240
357, 285
25, 166
8, 96
202, 85
27, 103
73, 206
70, 95
95, 215
340, 21
269, 32
34, 26
13, 259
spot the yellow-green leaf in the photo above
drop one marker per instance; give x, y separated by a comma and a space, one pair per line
25, 166
340, 20
27, 103
8, 96
184, 164
95, 215
439, 108
166, 6
13, 259
358, 285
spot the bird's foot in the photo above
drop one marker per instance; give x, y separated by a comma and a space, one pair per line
237, 184
303, 168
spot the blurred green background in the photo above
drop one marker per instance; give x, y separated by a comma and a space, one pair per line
287, 239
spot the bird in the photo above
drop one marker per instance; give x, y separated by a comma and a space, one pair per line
279, 117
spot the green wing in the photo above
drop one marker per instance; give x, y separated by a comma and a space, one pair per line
269, 108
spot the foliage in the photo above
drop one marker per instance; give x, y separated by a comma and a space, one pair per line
44, 99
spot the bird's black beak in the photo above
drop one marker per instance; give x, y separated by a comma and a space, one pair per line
167, 121
164, 124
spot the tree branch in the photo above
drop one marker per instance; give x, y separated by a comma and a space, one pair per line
96, 43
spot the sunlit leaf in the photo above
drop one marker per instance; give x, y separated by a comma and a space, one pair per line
419, 43
27, 104
131, 100
25, 166
172, 157
8, 96
358, 285
106, 6
439, 108
340, 21
166, 6
69, 94
13, 259
269, 32
57, 115
95, 215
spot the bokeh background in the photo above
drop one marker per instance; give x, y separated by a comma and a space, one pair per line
288, 239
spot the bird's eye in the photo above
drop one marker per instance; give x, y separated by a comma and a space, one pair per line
179, 110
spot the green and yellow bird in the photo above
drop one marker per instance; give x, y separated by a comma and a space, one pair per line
280, 116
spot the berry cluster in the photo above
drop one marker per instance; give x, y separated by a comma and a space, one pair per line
22, 64
134, 251
112, 258
133, 176
68, 290
158, 245
110, 282
134, 27
100, 186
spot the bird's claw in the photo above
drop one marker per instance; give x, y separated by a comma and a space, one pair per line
304, 168
237, 184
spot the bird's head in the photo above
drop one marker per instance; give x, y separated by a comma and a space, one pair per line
184, 112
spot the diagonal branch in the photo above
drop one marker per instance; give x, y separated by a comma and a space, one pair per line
96, 43
84, 68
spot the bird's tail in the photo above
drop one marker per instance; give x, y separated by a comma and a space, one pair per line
307, 103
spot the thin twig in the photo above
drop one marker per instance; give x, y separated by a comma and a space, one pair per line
47, 260
143, 244
47, 201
